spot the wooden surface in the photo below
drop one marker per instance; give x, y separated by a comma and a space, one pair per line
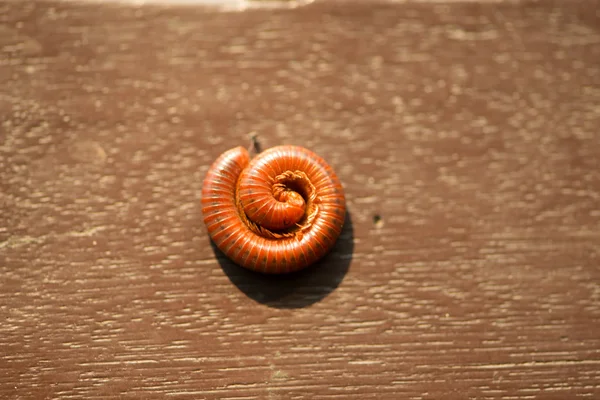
471, 130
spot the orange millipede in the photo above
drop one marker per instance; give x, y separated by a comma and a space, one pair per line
279, 212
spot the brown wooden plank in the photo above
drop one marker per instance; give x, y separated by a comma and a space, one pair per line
471, 130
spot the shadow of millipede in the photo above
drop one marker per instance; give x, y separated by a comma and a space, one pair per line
297, 289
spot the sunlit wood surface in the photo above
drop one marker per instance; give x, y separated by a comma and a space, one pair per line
467, 137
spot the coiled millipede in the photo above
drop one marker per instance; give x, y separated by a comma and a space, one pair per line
279, 212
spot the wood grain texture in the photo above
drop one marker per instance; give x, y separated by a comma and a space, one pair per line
471, 130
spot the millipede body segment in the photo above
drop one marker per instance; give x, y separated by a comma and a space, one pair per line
279, 212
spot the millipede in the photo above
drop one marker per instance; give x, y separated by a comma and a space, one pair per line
278, 212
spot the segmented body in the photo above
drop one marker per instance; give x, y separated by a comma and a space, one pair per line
277, 213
